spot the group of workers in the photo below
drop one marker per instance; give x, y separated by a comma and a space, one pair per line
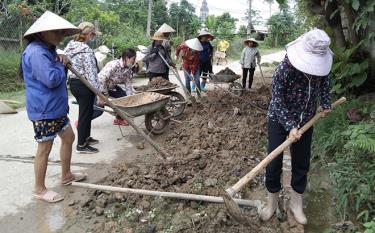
299, 80
196, 54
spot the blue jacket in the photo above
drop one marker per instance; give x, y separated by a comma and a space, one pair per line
206, 54
295, 95
45, 82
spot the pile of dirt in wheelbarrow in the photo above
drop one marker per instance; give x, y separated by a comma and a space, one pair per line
138, 99
226, 71
214, 147
156, 83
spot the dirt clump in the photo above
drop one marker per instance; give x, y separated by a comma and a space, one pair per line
226, 71
156, 83
211, 151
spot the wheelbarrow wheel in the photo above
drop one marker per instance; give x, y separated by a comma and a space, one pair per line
157, 122
176, 104
236, 88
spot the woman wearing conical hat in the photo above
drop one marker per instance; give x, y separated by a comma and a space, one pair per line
248, 62
205, 57
47, 98
155, 64
167, 43
190, 62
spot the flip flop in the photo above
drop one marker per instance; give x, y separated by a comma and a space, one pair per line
49, 196
77, 177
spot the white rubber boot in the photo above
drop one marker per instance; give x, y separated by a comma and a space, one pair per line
267, 212
296, 206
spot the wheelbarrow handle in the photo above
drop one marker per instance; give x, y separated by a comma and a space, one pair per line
275, 153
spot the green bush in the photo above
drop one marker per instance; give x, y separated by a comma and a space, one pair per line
349, 149
9, 70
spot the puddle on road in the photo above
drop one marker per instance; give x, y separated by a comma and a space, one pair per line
55, 218
38, 217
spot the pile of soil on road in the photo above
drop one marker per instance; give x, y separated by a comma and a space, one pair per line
226, 71
156, 83
213, 148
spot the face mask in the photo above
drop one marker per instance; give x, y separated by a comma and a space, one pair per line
91, 42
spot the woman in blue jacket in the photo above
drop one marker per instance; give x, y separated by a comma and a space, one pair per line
47, 98
299, 80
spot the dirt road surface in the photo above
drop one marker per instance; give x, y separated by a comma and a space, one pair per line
19, 212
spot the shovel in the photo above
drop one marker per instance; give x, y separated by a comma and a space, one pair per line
261, 74
231, 206
118, 111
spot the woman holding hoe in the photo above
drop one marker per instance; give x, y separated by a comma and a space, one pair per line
299, 80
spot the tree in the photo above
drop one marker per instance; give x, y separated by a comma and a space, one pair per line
350, 23
184, 19
242, 31
211, 23
282, 27
159, 14
270, 2
256, 18
225, 26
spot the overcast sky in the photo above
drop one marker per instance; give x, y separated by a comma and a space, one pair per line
236, 8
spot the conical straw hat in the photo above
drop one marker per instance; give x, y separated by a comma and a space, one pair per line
49, 22
165, 28
251, 39
194, 44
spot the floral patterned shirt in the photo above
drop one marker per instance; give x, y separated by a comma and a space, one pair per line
83, 60
190, 58
114, 73
295, 94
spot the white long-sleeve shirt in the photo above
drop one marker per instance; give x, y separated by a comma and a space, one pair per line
248, 57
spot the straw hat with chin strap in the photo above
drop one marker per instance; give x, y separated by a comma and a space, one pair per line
204, 32
165, 28
194, 44
87, 28
310, 53
159, 36
51, 22
250, 39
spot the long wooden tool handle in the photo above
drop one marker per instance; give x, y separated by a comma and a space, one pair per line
261, 74
183, 196
118, 111
175, 72
249, 176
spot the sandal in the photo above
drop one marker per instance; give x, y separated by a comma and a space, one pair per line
77, 177
48, 196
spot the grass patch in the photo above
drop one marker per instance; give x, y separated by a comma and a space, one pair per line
347, 149
9, 70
